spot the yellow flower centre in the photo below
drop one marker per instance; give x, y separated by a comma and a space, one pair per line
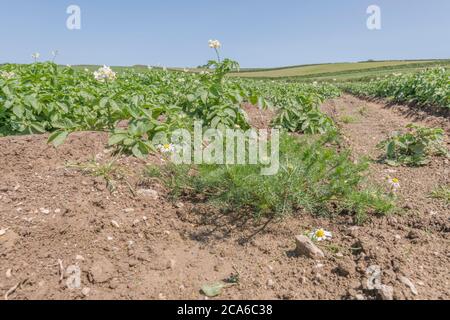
395, 180
167, 146
320, 233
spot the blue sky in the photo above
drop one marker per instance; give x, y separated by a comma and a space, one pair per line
257, 33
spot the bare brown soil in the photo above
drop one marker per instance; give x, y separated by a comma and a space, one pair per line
132, 242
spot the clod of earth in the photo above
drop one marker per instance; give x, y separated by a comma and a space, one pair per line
8, 241
414, 235
102, 270
345, 269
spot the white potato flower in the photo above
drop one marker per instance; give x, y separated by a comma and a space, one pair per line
214, 44
7, 75
320, 235
104, 73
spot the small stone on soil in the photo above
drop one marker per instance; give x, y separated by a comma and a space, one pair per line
171, 264
409, 284
162, 297
85, 291
148, 193
44, 211
386, 292
305, 247
179, 205
360, 297
115, 224
408, 206
353, 231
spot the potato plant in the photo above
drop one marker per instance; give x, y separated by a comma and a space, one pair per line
414, 147
428, 87
139, 108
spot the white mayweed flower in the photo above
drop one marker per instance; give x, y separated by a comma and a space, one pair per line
166, 148
320, 235
214, 44
394, 183
186, 70
104, 73
7, 75
36, 55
